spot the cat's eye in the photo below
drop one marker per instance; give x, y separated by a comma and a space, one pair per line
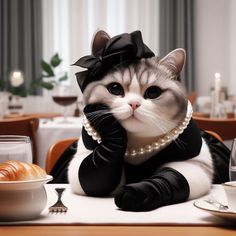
115, 89
152, 92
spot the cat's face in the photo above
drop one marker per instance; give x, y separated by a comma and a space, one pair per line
146, 97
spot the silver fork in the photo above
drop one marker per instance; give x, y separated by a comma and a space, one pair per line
58, 207
217, 204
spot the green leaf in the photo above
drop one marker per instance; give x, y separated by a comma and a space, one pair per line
37, 81
47, 76
47, 85
64, 77
55, 61
2, 84
20, 91
47, 68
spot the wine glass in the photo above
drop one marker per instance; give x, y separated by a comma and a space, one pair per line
15, 147
64, 96
232, 163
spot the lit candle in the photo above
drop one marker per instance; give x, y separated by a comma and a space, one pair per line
217, 82
16, 78
216, 96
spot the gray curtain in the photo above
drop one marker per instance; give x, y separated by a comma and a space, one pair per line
176, 30
20, 39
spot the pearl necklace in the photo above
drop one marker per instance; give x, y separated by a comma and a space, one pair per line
155, 146
90, 130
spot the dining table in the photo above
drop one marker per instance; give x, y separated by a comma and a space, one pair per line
116, 230
99, 216
52, 130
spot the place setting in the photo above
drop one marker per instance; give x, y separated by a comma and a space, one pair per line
48, 204
223, 208
223, 205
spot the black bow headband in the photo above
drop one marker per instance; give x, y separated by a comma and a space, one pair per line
119, 49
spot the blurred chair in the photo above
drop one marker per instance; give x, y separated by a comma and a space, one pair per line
56, 150
192, 97
225, 128
26, 126
214, 134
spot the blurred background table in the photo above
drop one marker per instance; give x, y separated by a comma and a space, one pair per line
52, 130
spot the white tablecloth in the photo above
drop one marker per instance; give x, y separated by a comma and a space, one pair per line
84, 210
51, 131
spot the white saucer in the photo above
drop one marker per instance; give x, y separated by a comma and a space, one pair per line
226, 214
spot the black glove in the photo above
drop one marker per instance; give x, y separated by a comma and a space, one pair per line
166, 187
100, 172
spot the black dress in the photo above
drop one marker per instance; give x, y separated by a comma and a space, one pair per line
220, 155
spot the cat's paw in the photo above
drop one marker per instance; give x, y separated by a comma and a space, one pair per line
132, 198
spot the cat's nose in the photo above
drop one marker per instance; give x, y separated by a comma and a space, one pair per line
134, 105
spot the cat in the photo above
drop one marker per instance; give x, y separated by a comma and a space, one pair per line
139, 142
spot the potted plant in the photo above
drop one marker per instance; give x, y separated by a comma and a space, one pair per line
48, 78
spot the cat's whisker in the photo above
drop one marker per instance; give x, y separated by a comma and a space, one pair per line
119, 111
148, 116
158, 118
154, 119
95, 119
162, 125
94, 115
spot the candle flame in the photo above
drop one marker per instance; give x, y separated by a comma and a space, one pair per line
217, 75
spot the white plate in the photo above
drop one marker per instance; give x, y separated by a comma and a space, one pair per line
226, 214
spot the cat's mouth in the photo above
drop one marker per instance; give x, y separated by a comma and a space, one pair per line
134, 123
129, 116
134, 116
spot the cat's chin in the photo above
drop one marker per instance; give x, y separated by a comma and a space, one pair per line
134, 125
139, 128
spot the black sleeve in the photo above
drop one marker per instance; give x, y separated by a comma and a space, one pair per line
220, 155
100, 172
186, 146
166, 187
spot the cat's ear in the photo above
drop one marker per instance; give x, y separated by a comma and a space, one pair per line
99, 41
174, 61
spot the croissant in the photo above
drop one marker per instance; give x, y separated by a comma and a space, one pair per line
16, 171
